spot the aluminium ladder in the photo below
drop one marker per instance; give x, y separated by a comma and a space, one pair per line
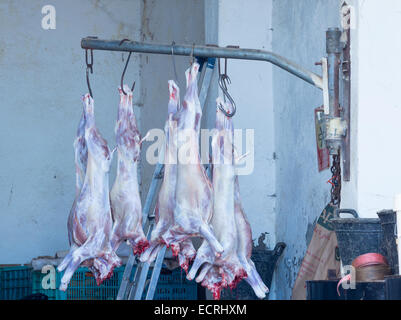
134, 290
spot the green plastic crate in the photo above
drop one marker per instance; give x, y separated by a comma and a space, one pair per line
15, 282
81, 287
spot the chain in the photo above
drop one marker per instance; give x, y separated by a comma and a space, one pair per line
336, 180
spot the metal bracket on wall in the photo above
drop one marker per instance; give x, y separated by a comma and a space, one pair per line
337, 131
346, 85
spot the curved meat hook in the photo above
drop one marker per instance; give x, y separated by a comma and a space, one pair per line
223, 80
125, 69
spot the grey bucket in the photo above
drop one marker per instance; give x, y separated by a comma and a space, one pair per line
356, 236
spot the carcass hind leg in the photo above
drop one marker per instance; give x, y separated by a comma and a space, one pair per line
203, 272
155, 244
253, 278
204, 255
151, 252
138, 243
77, 257
258, 287
195, 267
115, 241
106, 265
207, 233
186, 254
254, 273
67, 259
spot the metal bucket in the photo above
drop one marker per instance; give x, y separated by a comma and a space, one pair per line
356, 236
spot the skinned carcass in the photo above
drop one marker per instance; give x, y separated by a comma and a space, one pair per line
166, 201
193, 194
81, 160
125, 201
226, 270
90, 221
244, 249
229, 222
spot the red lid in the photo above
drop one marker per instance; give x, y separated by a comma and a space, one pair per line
369, 259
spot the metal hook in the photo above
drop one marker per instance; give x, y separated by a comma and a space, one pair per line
225, 69
172, 57
223, 80
175, 70
89, 66
125, 69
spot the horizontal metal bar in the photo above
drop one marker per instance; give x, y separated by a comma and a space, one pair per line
205, 51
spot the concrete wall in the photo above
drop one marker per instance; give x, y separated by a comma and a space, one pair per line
302, 192
42, 79
43, 72
165, 22
250, 27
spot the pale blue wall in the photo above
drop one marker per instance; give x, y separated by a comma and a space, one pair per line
165, 22
302, 193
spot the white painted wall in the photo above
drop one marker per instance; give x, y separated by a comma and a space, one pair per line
349, 198
376, 97
42, 79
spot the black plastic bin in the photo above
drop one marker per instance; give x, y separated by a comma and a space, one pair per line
265, 263
356, 236
322, 290
327, 290
388, 222
393, 287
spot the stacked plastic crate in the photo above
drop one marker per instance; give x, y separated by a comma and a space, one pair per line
82, 286
172, 285
15, 282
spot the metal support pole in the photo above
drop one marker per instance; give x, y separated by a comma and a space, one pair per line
335, 126
205, 51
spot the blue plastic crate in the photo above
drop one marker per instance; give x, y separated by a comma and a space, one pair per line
15, 282
172, 285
